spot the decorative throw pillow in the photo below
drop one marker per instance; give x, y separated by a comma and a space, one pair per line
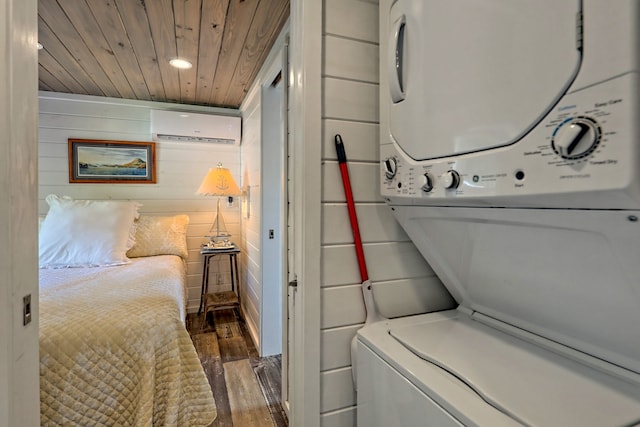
86, 233
160, 235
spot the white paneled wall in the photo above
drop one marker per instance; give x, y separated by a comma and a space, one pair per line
181, 166
403, 282
251, 242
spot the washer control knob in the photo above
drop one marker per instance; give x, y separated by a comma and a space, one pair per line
390, 168
426, 182
450, 180
576, 138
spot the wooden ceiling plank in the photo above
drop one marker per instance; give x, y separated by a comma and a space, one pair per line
239, 18
51, 13
85, 23
59, 72
212, 25
187, 24
136, 22
48, 80
112, 27
162, 23
44, 87
121, 48
60, 53
260, 39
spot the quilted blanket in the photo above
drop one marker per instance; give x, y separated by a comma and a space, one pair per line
114, 350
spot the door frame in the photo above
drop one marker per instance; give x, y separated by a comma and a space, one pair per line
19, 348
305, 133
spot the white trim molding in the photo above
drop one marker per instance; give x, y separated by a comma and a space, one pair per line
305, 110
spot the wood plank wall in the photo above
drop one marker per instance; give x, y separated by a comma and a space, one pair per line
181, 167
403, 282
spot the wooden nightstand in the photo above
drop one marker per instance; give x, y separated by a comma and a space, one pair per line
219, 300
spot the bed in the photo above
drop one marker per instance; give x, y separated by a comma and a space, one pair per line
114, 349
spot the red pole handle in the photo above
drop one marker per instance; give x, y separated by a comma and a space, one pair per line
346, 182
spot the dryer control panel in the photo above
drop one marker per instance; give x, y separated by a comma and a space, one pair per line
587, 144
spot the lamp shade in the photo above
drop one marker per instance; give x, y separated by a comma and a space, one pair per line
219, 182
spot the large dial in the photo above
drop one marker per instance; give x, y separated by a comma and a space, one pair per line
426, 182
576, 138
450, 180
390, 168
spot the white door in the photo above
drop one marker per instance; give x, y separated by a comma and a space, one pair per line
273, 218
276, 219
19, 377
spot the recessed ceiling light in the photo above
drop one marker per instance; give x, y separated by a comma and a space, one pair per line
180, 63
40, 46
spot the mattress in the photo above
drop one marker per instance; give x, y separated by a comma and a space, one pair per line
114, 349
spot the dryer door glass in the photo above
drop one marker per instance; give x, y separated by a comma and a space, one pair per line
471, 75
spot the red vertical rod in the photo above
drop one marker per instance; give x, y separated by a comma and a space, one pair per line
342, 161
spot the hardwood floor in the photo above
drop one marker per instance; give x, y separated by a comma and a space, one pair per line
246, 387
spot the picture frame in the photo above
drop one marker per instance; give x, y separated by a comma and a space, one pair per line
111, 162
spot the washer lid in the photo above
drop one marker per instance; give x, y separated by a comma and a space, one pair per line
528, 383
471, 75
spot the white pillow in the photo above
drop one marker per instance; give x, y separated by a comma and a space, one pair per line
86, 233
160, 235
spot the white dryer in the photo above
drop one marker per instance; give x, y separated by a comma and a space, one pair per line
510, 153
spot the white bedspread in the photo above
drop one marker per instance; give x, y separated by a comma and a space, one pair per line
114, 350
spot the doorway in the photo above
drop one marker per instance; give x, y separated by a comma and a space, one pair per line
275, 226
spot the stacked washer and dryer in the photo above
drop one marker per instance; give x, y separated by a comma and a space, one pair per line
510, 153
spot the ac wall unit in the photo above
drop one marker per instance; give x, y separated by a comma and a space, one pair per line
195, 127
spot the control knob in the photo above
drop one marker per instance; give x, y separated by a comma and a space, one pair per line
390, 168
427, 183
450, 180
576, 138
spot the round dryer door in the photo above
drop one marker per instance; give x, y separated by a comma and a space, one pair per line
468, 75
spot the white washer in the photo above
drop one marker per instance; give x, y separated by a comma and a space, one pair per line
510, 155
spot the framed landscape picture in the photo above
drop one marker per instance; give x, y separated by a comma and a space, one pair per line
119, 162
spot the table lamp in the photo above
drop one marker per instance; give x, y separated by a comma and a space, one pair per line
219, 182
